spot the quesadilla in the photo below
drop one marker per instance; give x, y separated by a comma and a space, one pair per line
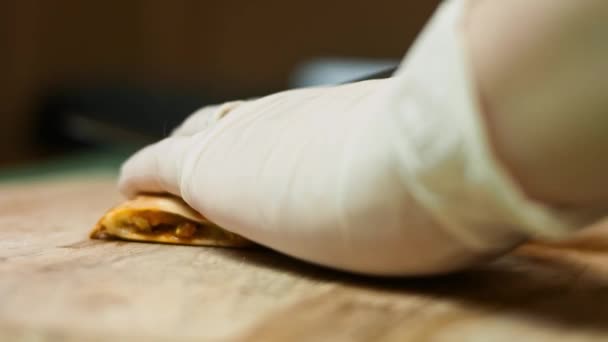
163, 219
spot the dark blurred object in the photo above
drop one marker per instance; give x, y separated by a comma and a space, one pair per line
115, 114
386, 73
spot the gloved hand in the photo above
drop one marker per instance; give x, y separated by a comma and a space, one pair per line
310, 173
385, 177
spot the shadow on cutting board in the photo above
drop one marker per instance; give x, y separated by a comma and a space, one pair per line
563, 284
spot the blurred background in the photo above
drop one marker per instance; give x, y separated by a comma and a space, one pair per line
85, 83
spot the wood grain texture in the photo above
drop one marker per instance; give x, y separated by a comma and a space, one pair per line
56, 285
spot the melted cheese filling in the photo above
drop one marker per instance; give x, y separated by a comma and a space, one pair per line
157, 223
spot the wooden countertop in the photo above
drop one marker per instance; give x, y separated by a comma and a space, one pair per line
57, 285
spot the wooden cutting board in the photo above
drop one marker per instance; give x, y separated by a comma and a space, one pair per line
57, 285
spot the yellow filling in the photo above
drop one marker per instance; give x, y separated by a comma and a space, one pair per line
157, 223
159, 226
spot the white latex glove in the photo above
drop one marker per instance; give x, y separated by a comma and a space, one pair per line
310, 173
386, 177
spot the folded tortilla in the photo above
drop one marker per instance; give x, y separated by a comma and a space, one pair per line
163, 219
